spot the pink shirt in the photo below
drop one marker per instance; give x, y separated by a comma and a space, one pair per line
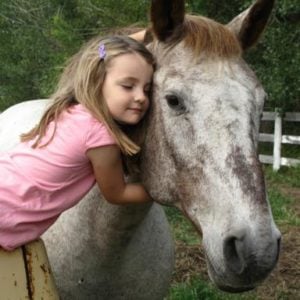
37, 185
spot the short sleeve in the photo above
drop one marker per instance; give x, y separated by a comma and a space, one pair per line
98, 136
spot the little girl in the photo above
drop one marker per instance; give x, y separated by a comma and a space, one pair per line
103, 93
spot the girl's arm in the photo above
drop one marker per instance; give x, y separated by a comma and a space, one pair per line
109, 175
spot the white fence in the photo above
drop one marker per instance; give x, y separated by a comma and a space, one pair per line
278, 138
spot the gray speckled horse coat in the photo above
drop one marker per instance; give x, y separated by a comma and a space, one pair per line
200, 156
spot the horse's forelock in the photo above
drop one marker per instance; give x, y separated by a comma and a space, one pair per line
204, 35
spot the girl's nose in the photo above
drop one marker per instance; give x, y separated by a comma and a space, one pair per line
140, 97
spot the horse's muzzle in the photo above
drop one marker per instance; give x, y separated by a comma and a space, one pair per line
246, 263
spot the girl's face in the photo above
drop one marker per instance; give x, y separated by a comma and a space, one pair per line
127, 86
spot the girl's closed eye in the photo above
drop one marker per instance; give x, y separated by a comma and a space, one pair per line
127, 87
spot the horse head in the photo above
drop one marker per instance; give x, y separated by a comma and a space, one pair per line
200, 153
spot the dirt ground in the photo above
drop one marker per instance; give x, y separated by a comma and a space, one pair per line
283, 283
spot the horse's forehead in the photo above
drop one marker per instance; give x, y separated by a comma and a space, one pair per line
176, 55
213, 77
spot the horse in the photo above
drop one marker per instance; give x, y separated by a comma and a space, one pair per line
200, 155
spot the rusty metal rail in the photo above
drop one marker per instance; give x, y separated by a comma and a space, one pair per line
26, 274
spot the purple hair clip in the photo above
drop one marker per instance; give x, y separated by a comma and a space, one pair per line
101, 51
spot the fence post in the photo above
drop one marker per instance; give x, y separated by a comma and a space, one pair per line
277, 141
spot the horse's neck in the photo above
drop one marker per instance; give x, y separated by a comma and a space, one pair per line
110, 225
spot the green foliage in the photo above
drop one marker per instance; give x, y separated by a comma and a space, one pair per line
276, 60
37, 36
31, 51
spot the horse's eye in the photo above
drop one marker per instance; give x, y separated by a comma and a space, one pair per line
175, 103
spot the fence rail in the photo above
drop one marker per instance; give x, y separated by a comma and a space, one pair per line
278, 138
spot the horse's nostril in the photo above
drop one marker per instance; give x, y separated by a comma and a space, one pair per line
234, 254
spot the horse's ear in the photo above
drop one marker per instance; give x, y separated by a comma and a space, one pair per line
167, 17
249, 25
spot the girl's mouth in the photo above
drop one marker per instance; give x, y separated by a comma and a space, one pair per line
138, 110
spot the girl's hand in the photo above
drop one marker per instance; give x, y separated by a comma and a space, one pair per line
108, 170
139, 36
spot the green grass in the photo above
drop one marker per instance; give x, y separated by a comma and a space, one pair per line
181, 228
288, 176
198, 289
282, 205
281, 208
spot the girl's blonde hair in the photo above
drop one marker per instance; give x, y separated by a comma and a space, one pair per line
82, 81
